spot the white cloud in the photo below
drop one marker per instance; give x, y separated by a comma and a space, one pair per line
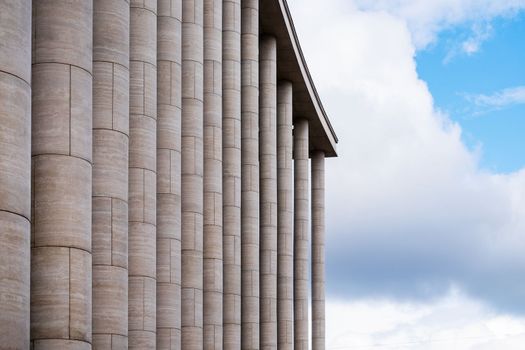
410, 213
427, 18
453, 322
480, 32
498, 100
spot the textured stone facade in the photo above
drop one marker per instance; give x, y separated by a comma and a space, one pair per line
154, 177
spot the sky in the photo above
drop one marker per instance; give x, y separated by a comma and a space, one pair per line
425, 229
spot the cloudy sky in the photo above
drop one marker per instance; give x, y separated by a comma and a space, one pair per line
426, 246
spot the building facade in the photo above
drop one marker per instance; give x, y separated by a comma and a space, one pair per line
162, 170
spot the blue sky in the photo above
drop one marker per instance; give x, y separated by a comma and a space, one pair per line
497, 65
426, 202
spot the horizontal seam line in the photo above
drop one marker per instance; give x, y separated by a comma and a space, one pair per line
16, 76
60, 246
17, 214
61, 155
63, 64
108, 129
110, 62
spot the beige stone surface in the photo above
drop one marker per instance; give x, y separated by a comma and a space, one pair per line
110, 173
61, 264
301, 233
250, 264
169, 104
268, 171
14, 280
285, 216
192, 174
318, 251
213, 181
231, 87
142, 294
15, 170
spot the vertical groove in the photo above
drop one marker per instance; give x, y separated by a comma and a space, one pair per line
250, 174
192, 174
318, 251
285, 215
231, 86
61, 303
110, 172
268, 171
169, 106
213, 191
142, 306
301, 233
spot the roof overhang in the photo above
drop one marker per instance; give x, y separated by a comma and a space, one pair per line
276, 20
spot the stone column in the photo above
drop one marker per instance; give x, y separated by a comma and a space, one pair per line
268, 171
142, 175
250, 174
169, 104
15, 172
231, 86
212, 294
192, 174
110, 173
301, 233
61, 259
285, 216
318, 251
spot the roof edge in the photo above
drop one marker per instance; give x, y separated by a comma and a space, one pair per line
325, 121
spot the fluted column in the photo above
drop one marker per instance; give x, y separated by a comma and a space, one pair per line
169, 103
231, 86
15, 172
318, 251
110, 173
192, 174
142, 175
250, 174
213, 286
61, 259
301, 234
285, 216
268, 171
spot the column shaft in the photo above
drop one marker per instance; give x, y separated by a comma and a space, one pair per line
169, 104
213, 218
285, 216
15, 172
142, 175
250, 174
301, 233
232, 171
318, 251
110, 173
192, 174
268, 171
61, 259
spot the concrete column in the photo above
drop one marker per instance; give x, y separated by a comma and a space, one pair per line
110, 173
212, 294
285, 216
268, 171
192, 174
318, 251
301, 234
15, 170
231, 86
250, 174
142, 175
169, 104
61, 271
